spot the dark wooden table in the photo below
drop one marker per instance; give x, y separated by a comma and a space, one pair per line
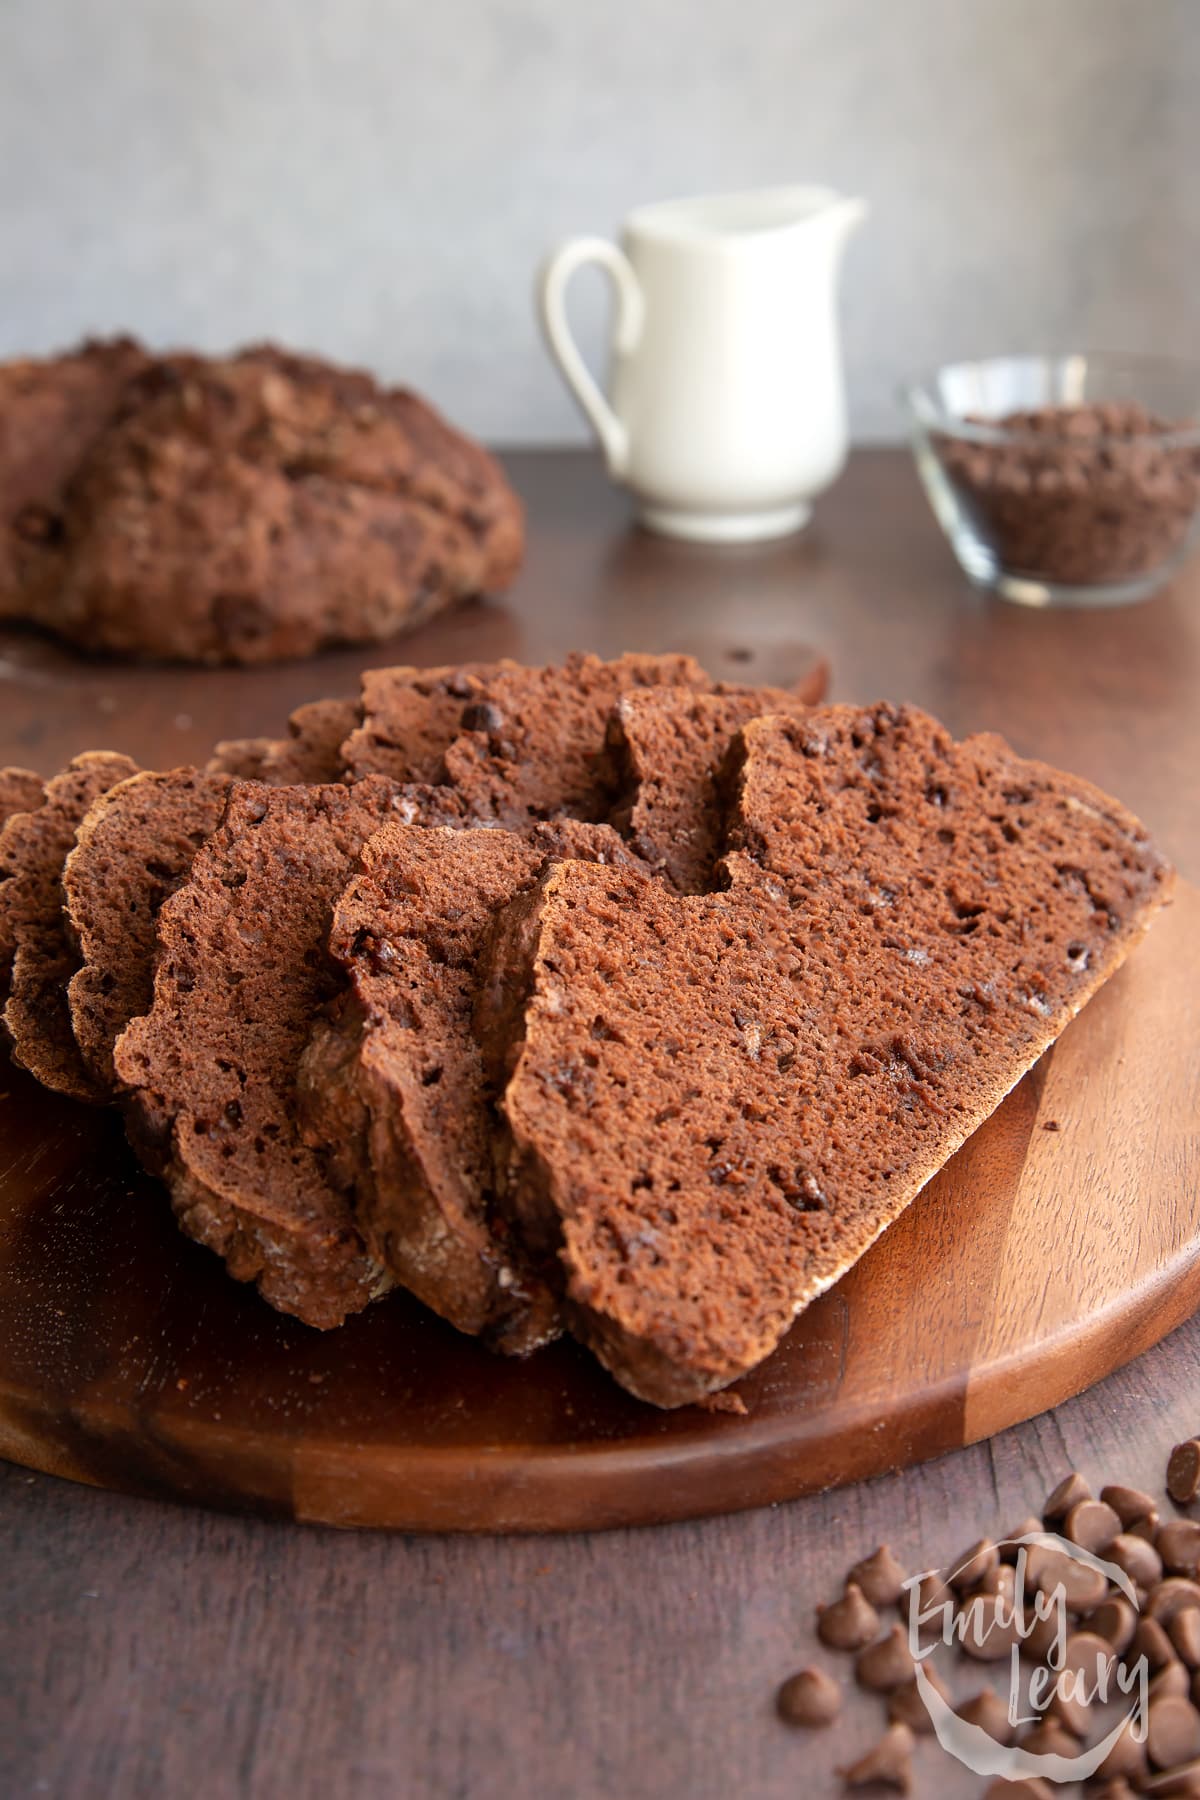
149, 1650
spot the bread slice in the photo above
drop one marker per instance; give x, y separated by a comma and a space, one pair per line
532, 740
311, 752
21, 791
666, 748
411, 716
212, 1067
33, 849
132, 850
715, 1103
392, 1085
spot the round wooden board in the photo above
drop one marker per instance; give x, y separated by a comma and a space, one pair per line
1061, 1241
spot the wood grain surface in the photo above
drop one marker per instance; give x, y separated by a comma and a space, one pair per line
150, 1649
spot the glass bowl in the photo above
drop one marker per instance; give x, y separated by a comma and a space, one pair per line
1063, 480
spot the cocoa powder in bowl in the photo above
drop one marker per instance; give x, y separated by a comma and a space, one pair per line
1077, 495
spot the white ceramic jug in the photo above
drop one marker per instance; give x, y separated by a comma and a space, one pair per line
726, 413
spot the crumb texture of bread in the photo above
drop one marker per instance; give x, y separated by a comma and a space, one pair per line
393, 1086
20, 791
33, 848
241, 509
410, 717
212, 1068
715, 1103
132, 850
667, 747
531, 743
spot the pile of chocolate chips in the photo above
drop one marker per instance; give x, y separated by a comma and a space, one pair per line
1081, 495
1160, 1557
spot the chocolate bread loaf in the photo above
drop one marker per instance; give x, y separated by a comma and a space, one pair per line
132, 850
33, 848
666, 748
714, 1104
52, 409
212, 1067
257, 507
392, 1086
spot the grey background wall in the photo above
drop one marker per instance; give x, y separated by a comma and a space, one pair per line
378, 179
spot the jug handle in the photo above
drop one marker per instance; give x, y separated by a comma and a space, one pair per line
627, 329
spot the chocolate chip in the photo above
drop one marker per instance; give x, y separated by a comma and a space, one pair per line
483, 715
1072, 1713
1150, 1641
1092, 1524
1171, 1683
973, 1565
1183, 1472
1126, 1757
989, 1629
1171, 1596
888, 1762
1136, 1558
1024, 1787
880, 1577
933, 1596
906, 1705
1180, 1783
886, 1664
1114, 1620
810, 1698
1082, 1587
987, 1710
850, 1622
1009, 1549
1178, 1543
1049, 1739
1069, 1492
1129, 1504
1183, 1629
1145, 1528
1172, 1733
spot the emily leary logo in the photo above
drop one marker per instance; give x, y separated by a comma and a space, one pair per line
1035, 1604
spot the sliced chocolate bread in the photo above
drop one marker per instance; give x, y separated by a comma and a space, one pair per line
532, 743
242, 971
21, 791
392, 1086
410, 717
33, 849
132, 850
666, 749
310, 753
714, 1104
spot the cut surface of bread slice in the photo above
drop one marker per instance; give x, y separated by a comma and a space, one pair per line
242, 970
132, 850
33, 848
411, 716
532, 742
21, 791
714, 1104
667, 747
392, 1084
